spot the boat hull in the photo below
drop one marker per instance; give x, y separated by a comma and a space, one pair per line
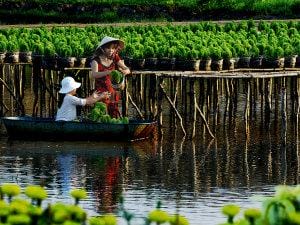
48, 129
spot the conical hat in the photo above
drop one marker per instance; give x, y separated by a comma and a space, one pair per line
107, 39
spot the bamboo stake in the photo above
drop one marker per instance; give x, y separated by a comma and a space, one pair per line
2, 91
159, 104
177, 113
203, 117
11, 92
135, 106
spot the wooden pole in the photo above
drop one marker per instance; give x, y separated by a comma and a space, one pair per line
203, 118
174, 107
135, 106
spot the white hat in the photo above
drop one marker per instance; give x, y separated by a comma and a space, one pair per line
68, 84
108, 39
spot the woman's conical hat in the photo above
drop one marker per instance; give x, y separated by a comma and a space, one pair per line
108, 39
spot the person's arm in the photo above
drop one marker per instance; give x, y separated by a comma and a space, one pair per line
123, 68
95, 97
95, 73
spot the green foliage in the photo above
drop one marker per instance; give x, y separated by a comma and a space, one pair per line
24, 47
38, 48
99, 114
64, 50
216, 53
12, 46
3, 45
201, 40
49, 50
116, 77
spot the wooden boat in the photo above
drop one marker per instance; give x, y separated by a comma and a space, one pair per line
48, 129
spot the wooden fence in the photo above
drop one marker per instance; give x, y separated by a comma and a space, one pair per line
186, 98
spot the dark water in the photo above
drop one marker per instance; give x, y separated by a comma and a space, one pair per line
192, 177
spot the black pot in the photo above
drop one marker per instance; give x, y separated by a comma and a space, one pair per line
151, 63
187, 65
244, 62
166, 63
205, 64
138, 64
217, 65
256, 62
25, 57
228, 64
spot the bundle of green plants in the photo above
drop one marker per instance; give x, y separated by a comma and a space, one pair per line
99, 114
116, 77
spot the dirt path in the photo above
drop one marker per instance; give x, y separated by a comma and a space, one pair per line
125, 24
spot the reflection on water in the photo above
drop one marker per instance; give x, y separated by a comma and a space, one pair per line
195, 178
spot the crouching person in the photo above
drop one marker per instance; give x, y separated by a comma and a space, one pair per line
67, 111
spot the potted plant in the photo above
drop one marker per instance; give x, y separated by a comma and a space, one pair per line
228, 61
25, 53
205, 58
128, 52
278, 57
217, 60
150, 57
138, 58
180, 55
192, 60
37, 52
256, 58
65, 58
290, 56
12, 54
3, 49
274, 57
50, 59
244, 55
164, 62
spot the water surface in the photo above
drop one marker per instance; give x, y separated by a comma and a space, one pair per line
193, 177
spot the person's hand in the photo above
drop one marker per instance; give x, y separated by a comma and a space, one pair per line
104, 95
125, 71
95, 94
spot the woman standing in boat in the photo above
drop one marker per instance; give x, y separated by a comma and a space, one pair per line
105, 60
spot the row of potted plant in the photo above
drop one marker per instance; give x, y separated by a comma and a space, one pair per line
234, 44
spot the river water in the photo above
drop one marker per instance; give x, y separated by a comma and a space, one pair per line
194, 178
